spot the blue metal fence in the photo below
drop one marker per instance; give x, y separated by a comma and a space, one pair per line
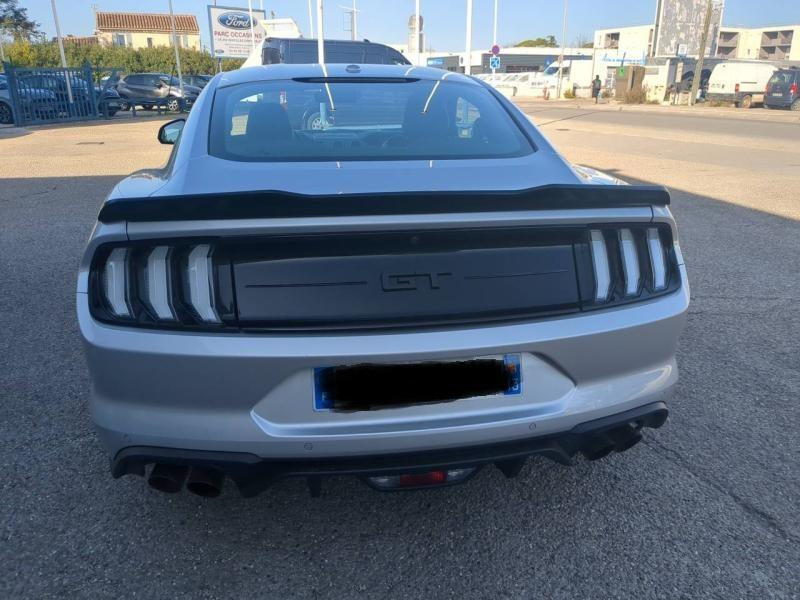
41, 95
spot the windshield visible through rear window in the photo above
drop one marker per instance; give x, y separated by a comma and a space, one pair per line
358, 119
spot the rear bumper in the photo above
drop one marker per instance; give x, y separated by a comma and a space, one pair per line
254, 394
253, 474
782, 102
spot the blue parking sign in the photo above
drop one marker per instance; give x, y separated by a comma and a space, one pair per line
494, 62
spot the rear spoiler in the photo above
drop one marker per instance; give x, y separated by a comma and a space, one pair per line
276, 204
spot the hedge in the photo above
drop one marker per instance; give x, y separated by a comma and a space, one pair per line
145, 60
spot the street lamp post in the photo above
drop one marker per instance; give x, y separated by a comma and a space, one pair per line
310, 20
468, 59
494, 32
61, 51
563, 47
252, 25
417, 32
175, 45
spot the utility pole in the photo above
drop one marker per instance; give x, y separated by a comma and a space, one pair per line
310, 20
417, 32
494, 32
252, 25
67, 76
320, 34
561, 58
698, 68
468, 59
175, 45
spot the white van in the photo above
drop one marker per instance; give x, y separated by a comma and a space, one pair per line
741, 82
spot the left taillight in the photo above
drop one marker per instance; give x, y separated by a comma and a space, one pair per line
162, 285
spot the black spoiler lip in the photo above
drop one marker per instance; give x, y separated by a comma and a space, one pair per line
277, 204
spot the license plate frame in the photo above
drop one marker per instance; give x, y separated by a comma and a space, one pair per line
512, 363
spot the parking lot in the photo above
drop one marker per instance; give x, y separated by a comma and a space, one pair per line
706, 506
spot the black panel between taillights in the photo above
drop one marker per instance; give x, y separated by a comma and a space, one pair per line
386, 280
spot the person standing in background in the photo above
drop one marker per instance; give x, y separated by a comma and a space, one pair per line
596, 86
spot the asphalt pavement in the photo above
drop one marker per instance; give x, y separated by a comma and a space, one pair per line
706, 507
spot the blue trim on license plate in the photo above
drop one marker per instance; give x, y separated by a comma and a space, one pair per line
512, 362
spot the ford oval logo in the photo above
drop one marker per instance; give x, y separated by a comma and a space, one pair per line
234, 20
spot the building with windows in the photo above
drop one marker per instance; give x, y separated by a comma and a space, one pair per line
756, 43
146, 30
762, 43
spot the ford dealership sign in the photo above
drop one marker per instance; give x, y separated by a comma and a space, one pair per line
234, 20
230, 31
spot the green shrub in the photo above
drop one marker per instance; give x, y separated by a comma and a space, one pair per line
160, 59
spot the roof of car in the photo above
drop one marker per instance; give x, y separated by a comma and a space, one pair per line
291, 71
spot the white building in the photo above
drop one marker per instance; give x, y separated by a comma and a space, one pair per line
759, 43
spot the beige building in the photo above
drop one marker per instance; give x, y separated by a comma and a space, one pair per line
763, 43
146, 30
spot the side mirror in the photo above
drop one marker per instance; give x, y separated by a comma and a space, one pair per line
170, 132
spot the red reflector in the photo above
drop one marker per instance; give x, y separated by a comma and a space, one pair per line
793, 89
420, 479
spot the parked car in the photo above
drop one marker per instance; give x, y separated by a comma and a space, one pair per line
149, 89
420, 289
302, 51
740, 82
82, 98
6, 112
782, 90
198, 81
36, 103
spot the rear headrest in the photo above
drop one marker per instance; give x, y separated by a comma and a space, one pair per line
267, 120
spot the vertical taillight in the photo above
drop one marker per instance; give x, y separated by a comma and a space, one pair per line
157, 283
630, 261
793, 89
602, 272
658, 263
201, 284
115, 282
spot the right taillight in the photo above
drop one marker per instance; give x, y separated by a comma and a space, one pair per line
736, 89
629, 263
793, 89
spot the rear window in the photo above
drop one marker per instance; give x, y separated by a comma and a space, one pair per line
360, 119
781, 78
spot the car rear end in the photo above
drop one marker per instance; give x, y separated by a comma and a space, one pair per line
783, 89
407, 331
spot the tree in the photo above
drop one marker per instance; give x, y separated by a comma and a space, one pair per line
540, 42
14, 20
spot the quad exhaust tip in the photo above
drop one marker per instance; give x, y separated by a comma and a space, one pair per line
167, 478
618, 439
205, 482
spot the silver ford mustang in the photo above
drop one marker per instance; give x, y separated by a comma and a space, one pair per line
371, 270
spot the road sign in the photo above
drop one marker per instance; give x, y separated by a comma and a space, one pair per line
495, 50
494, 62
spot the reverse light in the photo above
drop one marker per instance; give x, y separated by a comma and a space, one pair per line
115, 282
199, 275
630, 261
658, 263
157, 281
602, 273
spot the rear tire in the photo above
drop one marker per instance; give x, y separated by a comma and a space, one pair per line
746, 102
6, 116
795, 105
174, 105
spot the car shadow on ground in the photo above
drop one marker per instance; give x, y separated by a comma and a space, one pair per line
704, 506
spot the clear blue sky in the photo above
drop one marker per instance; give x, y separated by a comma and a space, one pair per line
386, 20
